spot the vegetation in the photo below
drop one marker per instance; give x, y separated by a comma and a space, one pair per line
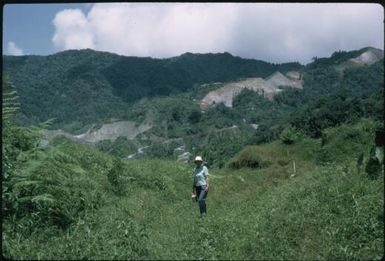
121, 147
84, 204
336, 58
303, 182
102, 85
328, 99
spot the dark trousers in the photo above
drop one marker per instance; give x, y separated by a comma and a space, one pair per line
201, 198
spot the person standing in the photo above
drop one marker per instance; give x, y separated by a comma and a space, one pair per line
200, 184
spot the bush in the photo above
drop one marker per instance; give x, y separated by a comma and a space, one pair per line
249, 157
55, 185
373, 168
288, 136
346, 141
115, 177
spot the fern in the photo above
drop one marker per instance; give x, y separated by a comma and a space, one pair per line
25, 183
43, 198
23, 189
10, 100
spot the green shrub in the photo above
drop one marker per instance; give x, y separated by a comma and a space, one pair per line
346, 141
54, 186
373, 168
115, 177
250, 157
121, 147
288, 136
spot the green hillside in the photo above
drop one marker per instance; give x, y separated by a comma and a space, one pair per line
296, 177
70, 201
327, 100
101, 85
83, 89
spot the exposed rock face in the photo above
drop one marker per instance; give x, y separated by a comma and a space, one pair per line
294, 76
108, 131
372, 55
139, 151
255, 126
369, 57
226, 93
50, 134
112, 131
184, 157
268, 87
278, 81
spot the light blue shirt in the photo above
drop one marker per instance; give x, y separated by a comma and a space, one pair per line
199, 175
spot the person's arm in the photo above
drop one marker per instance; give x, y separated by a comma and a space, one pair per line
207, 183
207, 179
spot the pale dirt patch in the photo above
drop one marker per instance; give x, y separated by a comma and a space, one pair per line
267, 87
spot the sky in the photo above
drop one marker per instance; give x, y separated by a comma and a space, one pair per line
273, 32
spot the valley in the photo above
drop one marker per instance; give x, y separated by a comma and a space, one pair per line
156, 126
98, 154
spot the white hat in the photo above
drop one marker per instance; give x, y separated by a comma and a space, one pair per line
198, 158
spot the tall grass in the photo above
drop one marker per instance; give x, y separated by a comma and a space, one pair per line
325, 212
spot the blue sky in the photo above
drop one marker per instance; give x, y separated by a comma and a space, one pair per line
30, 26
279, 32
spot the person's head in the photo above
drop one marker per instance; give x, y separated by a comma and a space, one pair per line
198, 161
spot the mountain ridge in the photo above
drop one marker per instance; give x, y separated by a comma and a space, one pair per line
77, 88
275, 83
103, 83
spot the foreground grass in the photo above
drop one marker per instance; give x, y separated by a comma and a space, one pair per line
324, 212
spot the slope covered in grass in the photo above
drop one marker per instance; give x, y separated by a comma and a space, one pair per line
102, 208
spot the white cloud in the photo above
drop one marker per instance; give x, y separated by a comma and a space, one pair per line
158, 30
273, 32
72, 30
12, 49
297, 32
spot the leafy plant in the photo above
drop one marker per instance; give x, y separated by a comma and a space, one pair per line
289, 136
115, 177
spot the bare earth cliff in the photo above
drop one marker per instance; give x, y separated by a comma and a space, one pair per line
268, 87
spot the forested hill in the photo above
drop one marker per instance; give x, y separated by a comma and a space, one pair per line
80, 87
100, 84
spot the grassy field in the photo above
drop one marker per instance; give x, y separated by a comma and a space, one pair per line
142, 209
